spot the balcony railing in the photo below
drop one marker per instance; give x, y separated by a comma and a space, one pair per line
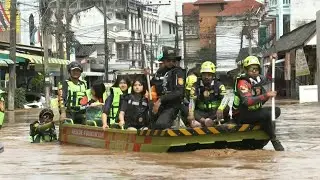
274, 3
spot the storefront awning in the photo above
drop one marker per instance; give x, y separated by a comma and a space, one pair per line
33, 59
5, 62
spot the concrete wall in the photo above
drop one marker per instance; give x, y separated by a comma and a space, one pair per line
302, 12
208, 21
165, 28
229, 43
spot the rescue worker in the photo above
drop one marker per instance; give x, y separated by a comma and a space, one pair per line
170, 90
2, 107
134, 111
43, 130
156, 81
73, 90
211, 102
111, 107
249, 98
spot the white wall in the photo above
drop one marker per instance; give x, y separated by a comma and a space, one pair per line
25, 13
229, 43
168, 11
302, 12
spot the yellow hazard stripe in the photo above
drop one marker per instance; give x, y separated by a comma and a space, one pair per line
213, 130
244, 127
256, 127
148, 132
171, 132
185, 132
141, 133
155, 132
163, 132
199, 131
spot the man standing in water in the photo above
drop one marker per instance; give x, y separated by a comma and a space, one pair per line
249, 98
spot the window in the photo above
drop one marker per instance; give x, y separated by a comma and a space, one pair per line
122, 51
169, 28
131, 20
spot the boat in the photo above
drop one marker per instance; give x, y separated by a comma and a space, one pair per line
228, 135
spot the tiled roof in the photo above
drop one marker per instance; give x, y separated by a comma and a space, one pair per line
188, 8
239, 7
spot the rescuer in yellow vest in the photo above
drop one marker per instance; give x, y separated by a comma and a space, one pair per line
73, 90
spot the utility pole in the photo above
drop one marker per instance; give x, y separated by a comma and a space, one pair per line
249, 34
280, 18
318, 54
59, 29
68, 34
106, 48
177, 34
151, 53
140, 10
184, 39
44, 8
12, 56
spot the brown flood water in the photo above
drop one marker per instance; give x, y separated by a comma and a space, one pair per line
297, 128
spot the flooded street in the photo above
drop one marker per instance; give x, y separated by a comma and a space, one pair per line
297, 128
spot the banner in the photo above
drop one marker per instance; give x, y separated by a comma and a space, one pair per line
302, 68
7, 6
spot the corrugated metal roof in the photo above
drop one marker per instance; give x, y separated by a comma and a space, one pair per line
295, 38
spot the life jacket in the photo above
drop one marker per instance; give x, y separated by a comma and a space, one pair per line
213, 99
75, 94
37, 135
136, 114
94, 113
256, 84
154, 93
114, 109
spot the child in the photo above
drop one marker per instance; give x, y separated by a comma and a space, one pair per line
43, 130
134, 110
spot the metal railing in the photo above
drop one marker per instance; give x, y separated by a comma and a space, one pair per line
274, 3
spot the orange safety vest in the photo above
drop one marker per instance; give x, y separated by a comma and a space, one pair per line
154, 94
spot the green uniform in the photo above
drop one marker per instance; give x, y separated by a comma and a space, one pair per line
42, 132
